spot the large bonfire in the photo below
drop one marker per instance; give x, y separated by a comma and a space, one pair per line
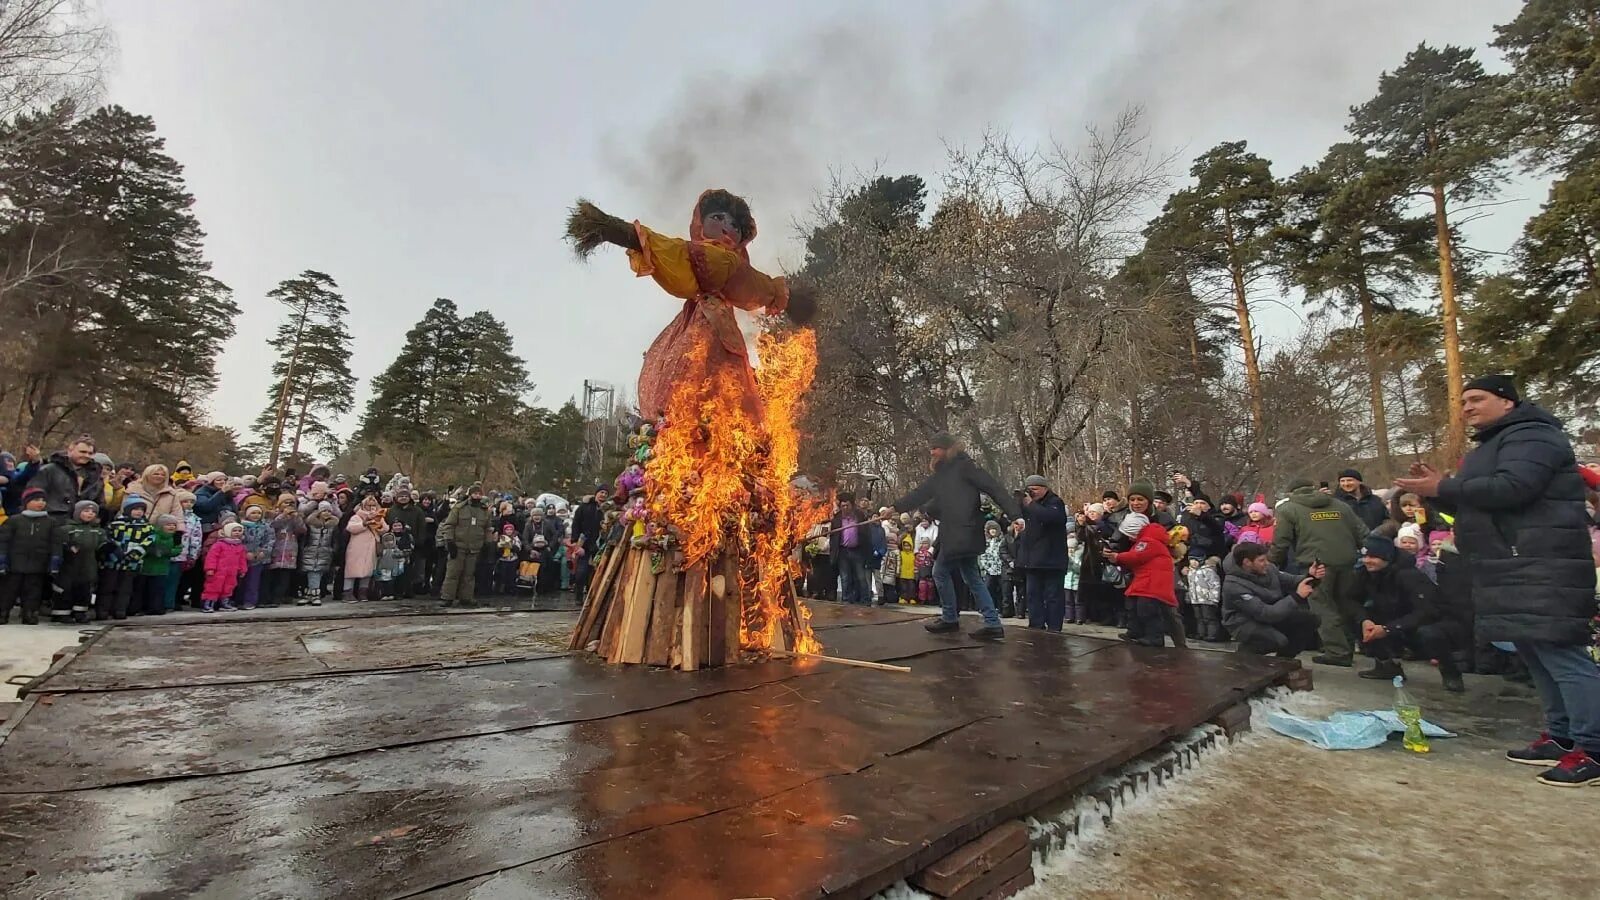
704, 570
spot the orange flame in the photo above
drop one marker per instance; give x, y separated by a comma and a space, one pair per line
720, 478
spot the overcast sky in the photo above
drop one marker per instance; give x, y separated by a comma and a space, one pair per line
415, 150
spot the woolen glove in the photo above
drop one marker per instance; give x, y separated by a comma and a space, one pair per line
450, 548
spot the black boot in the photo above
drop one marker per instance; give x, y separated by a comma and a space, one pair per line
989, 633
939, 626
1453, 682
1385, 669
1325, 660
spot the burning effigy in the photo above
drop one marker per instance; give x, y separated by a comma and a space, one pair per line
703, 572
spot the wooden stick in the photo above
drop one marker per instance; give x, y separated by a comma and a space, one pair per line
861, 663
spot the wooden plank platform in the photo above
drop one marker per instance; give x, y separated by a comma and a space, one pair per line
565, 777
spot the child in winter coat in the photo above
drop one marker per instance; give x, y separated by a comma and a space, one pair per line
508, 553
316, 552
1409, 539
925, 592
287, 528
1152, 601
227, 563
1076, 613
81, 567
128, 538
990, 564
258, 549
30, 552
189, 578
1260, 528
152, 597
1205, 595
908, 567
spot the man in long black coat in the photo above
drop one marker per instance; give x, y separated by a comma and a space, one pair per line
1042, 553
951, 495
1520, 524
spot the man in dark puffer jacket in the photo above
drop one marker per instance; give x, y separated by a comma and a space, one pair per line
1518, 503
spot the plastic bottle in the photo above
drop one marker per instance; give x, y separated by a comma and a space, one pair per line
1405, 706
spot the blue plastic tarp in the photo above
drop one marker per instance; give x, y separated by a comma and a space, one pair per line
1347, 730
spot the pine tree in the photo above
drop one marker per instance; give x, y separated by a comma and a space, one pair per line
1542, 317
488, 390
1435, 116
110, 310
405, 414
1553, 93
311, 376
1349, 243
1224, 228
451, 401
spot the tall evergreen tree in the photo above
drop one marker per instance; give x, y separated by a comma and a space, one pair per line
1224, 227
111, 313
1350, 244
311, 376
1436, 117
489, 390
451, 400
405, 414
1553, 91
1542, 317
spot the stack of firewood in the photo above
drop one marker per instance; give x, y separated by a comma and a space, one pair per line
643, 608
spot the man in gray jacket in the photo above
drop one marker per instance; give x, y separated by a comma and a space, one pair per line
1259, 607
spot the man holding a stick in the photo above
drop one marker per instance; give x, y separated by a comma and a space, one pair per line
951, 495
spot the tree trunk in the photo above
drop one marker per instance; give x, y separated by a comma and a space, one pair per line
300, 426
1380, 419
288, 382
1252, 366
1135, 449
1456, 436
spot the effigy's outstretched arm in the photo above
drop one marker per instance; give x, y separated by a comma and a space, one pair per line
589, 226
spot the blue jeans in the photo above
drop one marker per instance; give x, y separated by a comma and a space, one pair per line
968, 567
1047, 604
1569, 687
854, 586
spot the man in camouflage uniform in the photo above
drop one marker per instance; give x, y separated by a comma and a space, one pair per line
461, 538
1325, 537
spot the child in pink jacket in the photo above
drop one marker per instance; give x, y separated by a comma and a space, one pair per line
226, 563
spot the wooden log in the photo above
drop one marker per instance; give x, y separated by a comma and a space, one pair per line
636, 618
733, 608
592, 619
989, 883
967, 863
615, 605
859, 663
693, 627
716, 616
663, 618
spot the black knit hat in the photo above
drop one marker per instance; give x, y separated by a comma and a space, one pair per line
1499, 385
943, 440
1351, 473
1380, 547
1163, 496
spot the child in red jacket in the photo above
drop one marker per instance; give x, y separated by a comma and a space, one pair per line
226, 562
1151, 592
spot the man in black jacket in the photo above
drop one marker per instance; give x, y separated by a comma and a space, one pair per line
1520, 524
1356, 495
1402, 613
951, 495
1042, 553
70, 476
586, 522
1259, 605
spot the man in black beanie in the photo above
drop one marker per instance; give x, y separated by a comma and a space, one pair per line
1520, 520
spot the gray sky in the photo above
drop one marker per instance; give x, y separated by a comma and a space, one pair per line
415, 150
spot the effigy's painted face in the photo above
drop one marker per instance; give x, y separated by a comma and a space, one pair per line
718, 225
